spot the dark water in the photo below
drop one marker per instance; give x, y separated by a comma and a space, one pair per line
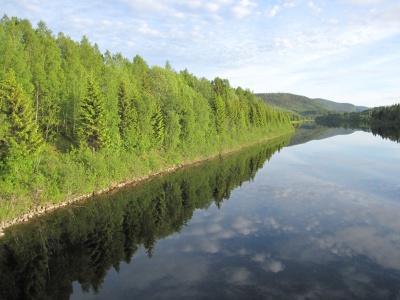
317, 220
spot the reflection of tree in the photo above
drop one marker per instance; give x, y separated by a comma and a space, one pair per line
42, 260
130, 228
382, 121
387, 132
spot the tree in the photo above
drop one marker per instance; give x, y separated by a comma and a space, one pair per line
157, 122
48, 77
12, 54
220, 114
74, 84
93, 130
21, 136
172, 130
126, 110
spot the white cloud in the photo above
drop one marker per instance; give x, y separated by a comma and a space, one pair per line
144, 29
362, 2
146, 6
282, 43
313, 6
212, 7
273, 11
243, 8
289, 4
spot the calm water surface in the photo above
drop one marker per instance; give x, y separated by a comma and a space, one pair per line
319, 220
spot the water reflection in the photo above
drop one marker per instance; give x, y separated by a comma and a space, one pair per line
307, 132
318, 221
41, 260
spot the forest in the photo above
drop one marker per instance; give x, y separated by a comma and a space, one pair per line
383, 121
74, 120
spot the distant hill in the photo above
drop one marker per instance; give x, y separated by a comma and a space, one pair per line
344, 107
306, 106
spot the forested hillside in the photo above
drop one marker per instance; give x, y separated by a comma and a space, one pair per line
305, 106
342, 107
75, 120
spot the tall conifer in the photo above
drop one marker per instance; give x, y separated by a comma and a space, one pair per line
126, 110
93, 130
22, 136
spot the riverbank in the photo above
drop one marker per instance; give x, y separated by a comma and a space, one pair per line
39, 210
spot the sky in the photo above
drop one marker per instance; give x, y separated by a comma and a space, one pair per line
347, 51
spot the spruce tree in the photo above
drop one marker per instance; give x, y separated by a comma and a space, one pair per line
93, 131
21, 136
126, 110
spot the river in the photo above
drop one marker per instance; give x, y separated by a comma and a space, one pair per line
314, 216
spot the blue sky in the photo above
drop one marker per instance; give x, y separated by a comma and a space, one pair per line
340, 50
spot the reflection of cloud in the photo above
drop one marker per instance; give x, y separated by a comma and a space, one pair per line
259, 257
213, 228
238, 276
208, 229
244, 251
362, 240
283, 192
144, 272
243, 225
267, 263
356, 282
312, 225
202, 244
225, 234
275, 266
271, 222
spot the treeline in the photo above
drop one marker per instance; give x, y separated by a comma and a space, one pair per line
388, 114
41, 260
74, 120
383, 121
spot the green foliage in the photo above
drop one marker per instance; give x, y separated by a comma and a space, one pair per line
137, 119
126, 111
93, 130
20, 134
172, 130
388, 114
220, 114
157, 121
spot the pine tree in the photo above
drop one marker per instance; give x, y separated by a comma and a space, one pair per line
126, 110
93, 130
21, 135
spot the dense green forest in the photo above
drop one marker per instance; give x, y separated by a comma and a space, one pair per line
41, 260
383, 121
74, 120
